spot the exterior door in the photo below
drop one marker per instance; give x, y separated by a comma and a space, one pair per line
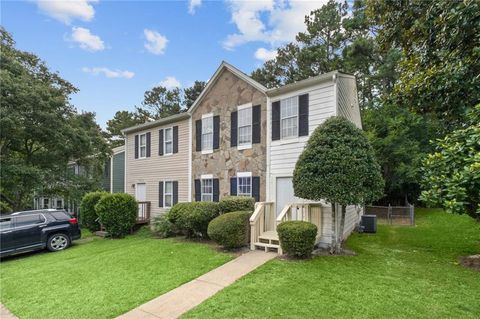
28, 230
284, 193
7, 243
141, 196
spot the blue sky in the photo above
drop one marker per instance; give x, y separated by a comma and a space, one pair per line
115, 50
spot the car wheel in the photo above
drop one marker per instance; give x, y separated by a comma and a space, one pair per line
58, 242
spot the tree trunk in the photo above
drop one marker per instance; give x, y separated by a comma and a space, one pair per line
342, 227
333, 245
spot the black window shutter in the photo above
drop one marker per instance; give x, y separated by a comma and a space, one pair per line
216, 132
160, 194
198, 135
175, 139
275, 120
149, 144
175, 192
256, 188
233, 186
303, 115
233, 128
136, 146
216, 189
256, 123
160, 142
198, 194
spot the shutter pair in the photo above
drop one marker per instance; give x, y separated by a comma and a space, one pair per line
256, 126
148, 136
216, 190
302, 117
216, 133
160, 193
255, 187
161, 141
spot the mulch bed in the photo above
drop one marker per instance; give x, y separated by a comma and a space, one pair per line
472, 262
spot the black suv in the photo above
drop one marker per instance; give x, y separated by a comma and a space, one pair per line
37, 229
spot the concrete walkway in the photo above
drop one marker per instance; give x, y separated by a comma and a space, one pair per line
5, 313
180, 300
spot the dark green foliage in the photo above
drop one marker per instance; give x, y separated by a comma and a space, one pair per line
163, 227
231, 230
117, 213
88, 214
121, 120
297, 238
192, 218
5, 208
236, 203
338, 165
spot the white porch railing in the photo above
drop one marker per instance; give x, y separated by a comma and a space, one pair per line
262, 220
309, 212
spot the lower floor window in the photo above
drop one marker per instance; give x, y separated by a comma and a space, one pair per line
207, 190
168, 194
244, 186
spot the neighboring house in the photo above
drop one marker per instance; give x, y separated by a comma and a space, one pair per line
242, 139
115, 171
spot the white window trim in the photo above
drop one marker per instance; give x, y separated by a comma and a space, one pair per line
205, 177
210, 150
165, 193
244, 174
298, 118
140, 146
165, 141
246, 145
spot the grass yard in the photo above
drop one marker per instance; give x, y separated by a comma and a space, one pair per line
101, 278
401, 272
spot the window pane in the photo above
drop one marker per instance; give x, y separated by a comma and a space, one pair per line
28, 220
244, 186
168, 188
168, 147
143, 140
207, 190
168, 134
168, 201
143, 151
245, 126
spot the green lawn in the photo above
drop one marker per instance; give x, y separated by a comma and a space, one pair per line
401, 272
101, 278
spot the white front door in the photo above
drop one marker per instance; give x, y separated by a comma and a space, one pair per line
141, 196
284, 193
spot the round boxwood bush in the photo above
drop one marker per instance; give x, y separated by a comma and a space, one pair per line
297, 238
192, 218
231, 230
117, 213
88, 215
236, 203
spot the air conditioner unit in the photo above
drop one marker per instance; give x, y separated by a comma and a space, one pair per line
369, 223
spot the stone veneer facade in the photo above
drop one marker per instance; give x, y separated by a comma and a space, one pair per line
224, 97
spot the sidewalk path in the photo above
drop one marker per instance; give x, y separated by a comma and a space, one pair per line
180, 300
5, 313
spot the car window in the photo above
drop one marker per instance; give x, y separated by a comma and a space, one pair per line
5, 223
29, 220
60, 215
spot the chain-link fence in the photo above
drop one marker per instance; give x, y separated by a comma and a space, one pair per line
393, 215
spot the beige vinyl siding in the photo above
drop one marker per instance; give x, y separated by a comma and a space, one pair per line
156, 168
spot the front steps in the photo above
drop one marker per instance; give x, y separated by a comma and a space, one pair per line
268, 241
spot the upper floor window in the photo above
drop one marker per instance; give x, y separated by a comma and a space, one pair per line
142, 146
289, 117
168, 141
245, 126
207, 189
207, 133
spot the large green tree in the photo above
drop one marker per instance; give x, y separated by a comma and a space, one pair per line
40, 131
121, 120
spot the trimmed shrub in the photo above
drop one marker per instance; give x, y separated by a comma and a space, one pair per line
192, 218
297, 238
236, 203
117, 213
88, 215
163, 227
231, 230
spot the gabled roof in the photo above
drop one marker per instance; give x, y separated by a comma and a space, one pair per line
162, 121
213, 79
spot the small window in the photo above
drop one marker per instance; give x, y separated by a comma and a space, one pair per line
168, 141
6, 223
28, 220
245, 126
142, 146
244, 184
59, 203
207, 133
207, 190
46, 203
60, 215
168, 195
289, 117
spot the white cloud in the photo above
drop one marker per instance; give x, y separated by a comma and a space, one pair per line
192, 4
156, 43
86, 40
263, 54
270, 21
109, 73
68, 10
170, 82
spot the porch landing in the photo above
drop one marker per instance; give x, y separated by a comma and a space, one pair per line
180, 300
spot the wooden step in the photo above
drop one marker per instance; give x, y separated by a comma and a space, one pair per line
267, 247
269, 237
